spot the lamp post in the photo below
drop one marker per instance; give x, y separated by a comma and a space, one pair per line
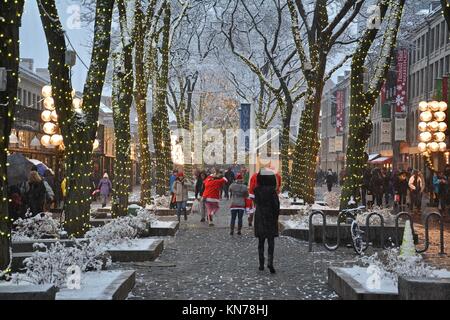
432, 129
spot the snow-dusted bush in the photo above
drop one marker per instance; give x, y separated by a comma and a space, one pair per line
51, 265
332, 199
389, 218
121, 229
160, 202
38, 227
392, 265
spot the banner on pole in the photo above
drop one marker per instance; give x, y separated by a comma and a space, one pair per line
400, 129
401, 85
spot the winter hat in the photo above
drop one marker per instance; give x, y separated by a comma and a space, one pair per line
239, 176
105, 175
180, 174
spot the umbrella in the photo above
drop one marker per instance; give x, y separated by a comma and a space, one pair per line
18, 170
41, 167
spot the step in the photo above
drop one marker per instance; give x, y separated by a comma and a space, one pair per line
163, 228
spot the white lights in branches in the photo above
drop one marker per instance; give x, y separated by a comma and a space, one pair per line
432, 127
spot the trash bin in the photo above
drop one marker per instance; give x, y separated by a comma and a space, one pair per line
133, 209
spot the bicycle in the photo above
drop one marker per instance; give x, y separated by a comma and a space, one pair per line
358, 243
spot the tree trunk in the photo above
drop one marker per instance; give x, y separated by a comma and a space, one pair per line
78, 130
9, 59
122, 100
160, 119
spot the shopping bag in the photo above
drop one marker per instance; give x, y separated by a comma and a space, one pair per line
195, 206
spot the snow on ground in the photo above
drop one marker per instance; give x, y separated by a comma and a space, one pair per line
361, 275
132, 244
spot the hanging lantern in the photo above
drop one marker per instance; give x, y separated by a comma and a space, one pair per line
49, 103
433, 146
49, 128
46, 115
439, 116
423, 106
422, 146
54, 116
439, 136
433, 126
422, 126
442, 146
45, 140
47, 91
434, 106
96, 144
426, 116
442, 126
442, 106
425, 136
56, 140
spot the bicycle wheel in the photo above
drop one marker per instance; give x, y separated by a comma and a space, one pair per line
357, 240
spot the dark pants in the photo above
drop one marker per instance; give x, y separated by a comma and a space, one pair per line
181, 207
239, 214
226, 187
270, 250
363, 196
416, 200
378, 199
329, 186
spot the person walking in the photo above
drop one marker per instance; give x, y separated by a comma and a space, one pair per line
211, 194
180, 189
239, 193
367, 176
105, 188
172, 179
376, 186
440, 184
229, 175
329, 179
400, 190
266, 217
35, 194
199, 193
416, 187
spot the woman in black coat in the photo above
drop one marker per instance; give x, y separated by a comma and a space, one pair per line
35, 194
266, 216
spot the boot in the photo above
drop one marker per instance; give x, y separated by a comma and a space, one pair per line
179, 218
270, 264
239, 230
185, 214
261, 258
231, 230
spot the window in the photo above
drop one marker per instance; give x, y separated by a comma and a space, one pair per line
432, 42
447, 63
442, 42
29, 99
441, 67
422, 51
19, 96
438, 32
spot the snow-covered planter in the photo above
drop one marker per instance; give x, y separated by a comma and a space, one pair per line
51, 265
391, 265
388, 217
41, 226
160, 202
121, 229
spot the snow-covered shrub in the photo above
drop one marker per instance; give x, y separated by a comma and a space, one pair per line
121, 229
389, 218
161, 202
40, 226
392, 265
51, 265
332, 199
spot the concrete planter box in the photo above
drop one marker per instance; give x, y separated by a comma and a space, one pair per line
424, 289
163, 228
138, 250
27, 292
349, 288
103, 285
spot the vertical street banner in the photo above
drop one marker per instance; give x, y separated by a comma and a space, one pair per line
383, 94
339, 112
386, 129
331, 145
245, 124
339, 144
401, 85
400, 129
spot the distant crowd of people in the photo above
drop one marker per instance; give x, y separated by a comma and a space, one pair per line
401, 189
256, 195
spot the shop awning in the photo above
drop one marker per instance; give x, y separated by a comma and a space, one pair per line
381, 160
373, 156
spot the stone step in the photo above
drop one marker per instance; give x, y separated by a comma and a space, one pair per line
163, 228
423, 289
102, 285
27, 291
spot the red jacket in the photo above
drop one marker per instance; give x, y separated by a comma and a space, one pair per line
253, 183
213, 188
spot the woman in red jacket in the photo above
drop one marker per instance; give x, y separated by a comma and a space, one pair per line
211, 194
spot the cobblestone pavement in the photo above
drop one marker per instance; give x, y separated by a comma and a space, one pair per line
203, 262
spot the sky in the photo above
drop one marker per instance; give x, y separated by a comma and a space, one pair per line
33, 44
